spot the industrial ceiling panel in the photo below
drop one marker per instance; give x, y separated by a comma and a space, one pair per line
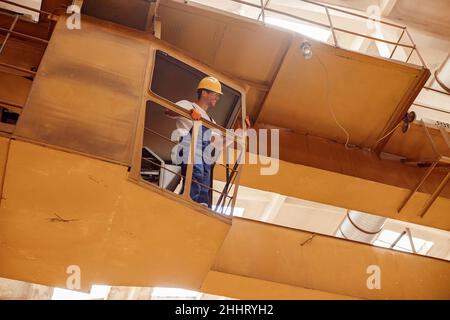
130, 13
338, 88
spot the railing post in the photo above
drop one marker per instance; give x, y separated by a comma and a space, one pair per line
9, 33
262, 14
410, 54
332, 28
191, 160
399, 39
235, 191
415, 48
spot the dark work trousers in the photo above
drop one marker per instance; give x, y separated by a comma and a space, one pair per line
201, 171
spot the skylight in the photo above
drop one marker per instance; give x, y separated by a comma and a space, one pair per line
302, 28
388, 237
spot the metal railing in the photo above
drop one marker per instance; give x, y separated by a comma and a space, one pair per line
10, 31
226, 197
441, 156
265, 8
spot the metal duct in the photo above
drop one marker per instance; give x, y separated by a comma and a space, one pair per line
360, 226
443, 75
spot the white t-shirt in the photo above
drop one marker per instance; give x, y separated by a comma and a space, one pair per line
186, 124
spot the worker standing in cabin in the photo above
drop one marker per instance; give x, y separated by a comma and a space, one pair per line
209, 91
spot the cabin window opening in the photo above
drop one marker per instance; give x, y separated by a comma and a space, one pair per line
8, 120
167, 145
175, 80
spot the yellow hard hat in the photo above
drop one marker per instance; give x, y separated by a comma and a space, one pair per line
211, 84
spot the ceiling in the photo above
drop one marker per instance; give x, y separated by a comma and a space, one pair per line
431, 16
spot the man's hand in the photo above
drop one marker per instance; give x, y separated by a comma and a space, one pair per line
195, 115
247, 123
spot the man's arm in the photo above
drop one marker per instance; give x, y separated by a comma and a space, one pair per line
195, 115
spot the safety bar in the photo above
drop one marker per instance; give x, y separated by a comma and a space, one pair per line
265, 7
430, 108
438, 158
172, 142
184, 113
334, 29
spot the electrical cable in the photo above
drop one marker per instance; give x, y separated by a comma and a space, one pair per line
331, 108
389, 133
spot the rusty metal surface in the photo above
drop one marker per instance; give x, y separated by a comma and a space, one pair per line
132, 13
88, 91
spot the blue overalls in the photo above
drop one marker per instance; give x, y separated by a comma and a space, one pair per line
201, 171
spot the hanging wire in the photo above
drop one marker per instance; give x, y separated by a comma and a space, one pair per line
327, 81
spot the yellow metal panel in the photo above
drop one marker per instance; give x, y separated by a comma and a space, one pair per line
238, 287
366, 93
63, 209
344, 191
243, 48
85, 104
273, 253
14, 89
328, 155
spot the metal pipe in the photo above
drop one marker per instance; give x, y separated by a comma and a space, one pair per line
361, 229
262, 12
17, 68
324, 25
265, 6
184, 113
411, 240
376, 39
160, 135
355, 14
412, 51
398, 239
283, 13
395, 48
436, 90
236, 188
411, 193
415, 47
435, 194
431, 108
332, 27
